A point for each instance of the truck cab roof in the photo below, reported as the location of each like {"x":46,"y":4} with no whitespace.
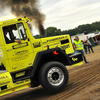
{"x":25,"y":19}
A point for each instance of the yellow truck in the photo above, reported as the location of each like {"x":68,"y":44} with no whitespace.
{"x":33,"y":62}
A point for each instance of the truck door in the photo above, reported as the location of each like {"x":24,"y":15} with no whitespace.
{"x":19,"y":55}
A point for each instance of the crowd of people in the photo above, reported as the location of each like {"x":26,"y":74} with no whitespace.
{"x":87,"y":46}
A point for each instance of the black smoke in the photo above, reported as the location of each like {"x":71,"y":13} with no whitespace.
{"x":29,"y":8}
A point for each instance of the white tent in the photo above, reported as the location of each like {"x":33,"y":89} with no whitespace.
{"x":81,"y":36}
{"x":90,"y":35}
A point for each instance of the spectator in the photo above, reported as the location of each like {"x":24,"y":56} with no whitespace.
{"x":85,"y":46}
{"x":79,"y":47}
{"x":89,"y":46}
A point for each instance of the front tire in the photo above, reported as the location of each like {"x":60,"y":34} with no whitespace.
{"x":53,"y":76}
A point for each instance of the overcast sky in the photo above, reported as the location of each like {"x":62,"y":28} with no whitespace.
{"x":66,"y":14}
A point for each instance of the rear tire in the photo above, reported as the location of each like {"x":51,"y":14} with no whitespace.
{"x":53,"y":76}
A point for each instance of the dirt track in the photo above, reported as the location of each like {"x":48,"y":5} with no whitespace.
{"x":84,"y":84}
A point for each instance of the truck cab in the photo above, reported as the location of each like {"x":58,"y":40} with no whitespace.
{"x":33,"y":61}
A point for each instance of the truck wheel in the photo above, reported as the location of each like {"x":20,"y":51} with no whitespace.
{"x":53,"y":76}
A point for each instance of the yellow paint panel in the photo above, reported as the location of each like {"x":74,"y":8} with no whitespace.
{"x":78,"y":64}
{"x":16,"y":86}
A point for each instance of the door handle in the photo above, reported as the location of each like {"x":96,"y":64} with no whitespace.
{"x":28,"y":39}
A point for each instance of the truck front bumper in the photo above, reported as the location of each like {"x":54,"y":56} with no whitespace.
{"x":76,"y":59}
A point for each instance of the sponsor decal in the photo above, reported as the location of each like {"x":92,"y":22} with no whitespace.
{"x":20,"y":45}
{"x":20,"y":74}
{"x":22,"y":52}
{"x":54,"y":39}
{"x":23,"y":81}
{"x":58,"y":38}
{"x":4,"y":77}
{"x":65,"y":47}
{"x":74,"y":59}
{"x":19,"y":82}
{"x":20,"y":58}
{"x":36,"y":44}
{"x":4,"y":83}
{"x":52,"y":45}
{"x":44,"y":42}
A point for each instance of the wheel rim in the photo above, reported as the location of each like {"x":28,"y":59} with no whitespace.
{"x":55,"y":76}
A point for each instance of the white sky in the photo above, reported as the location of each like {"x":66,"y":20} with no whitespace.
{"x":66,"y":14}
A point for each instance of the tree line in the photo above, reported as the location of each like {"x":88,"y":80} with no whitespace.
{"x":86,"y":28}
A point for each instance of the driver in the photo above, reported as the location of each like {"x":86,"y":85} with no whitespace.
{"x":6,"y":38}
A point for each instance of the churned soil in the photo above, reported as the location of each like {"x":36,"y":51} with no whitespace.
{"x":84,"y":84}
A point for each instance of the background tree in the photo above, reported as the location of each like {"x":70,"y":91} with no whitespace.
{"x":86,"y":28}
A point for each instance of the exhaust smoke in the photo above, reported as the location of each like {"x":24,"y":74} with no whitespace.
{"x":29,"y":8}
